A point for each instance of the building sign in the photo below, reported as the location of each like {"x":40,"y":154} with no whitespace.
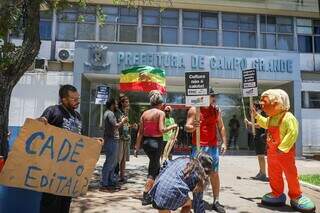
{"x":249,"y":83}
{"x":198,"y":62}
{"x":48,"y":159}
{"x":102,"y":94}
{"x":197,"y":88}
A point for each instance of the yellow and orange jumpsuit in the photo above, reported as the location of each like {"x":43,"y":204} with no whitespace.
{"x":282,"y":133}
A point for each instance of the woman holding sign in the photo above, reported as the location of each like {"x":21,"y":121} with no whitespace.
{"x":150,"y":136}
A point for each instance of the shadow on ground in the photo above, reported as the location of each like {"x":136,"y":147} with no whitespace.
{"x":125,"y":199}
{"x":285,"y":208}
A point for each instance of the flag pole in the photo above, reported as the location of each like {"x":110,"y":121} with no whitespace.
{"x":198,"y":128}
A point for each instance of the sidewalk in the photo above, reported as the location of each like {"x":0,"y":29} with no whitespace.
{"x":239,"y":193}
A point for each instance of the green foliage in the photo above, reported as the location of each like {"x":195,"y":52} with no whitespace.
{"x":101,"y":16}
{"x":312,"y":179}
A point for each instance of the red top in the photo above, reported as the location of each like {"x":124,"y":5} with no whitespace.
{"x":208,"y":127}
{"x":151,"y":128}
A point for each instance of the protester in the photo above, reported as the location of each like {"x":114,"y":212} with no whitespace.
{"x":177,"y":179}
{"x":111,"y":146}
{"x":282,"y":132}
{"x":150,"y":135}
{"x":63,"y":116}
{"x":260,"y":146}
{"x":167,"y":136}
{"x":234,"y":126}
{"x":125,"y":137}
{"x":210,"y":122}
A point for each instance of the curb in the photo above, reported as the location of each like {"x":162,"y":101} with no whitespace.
{"x":310,"y":186}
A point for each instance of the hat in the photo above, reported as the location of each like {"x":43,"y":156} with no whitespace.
{"x":212,"y":92}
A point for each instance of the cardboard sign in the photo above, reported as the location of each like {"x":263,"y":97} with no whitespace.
{"x":197,"y":88}
{"x":249,"y":83}
{"x":48,"y":159}
{"x":102,"y":94}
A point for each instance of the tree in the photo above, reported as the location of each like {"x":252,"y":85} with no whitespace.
{"x":15,"y":60}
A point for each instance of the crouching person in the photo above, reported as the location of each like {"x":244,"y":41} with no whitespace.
{"x":177,"y":179}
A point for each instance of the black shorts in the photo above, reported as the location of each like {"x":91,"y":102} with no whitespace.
{"x":260,"y":144}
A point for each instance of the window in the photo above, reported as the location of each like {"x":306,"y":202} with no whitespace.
{"x":108,"y":31}
{"x":160,"y":27}
{"x":67,"y":20}
{"x":209,"y":29}
{"x":86,"y":28}
{"x":239,"y":30}
{"x":45,"y":25}
{"x":200,"y":28}
{"x":316,"y":32}
{"x":120,"y":24}
{"x":276,"y":32}
{"x":308,"y":35}
{"x":151,"y":25}
{"x":305,"y":43}
{"x":314,"y":99}
{"x":128,"y":24}
{"x":169,"y":26}
{"x":310,"y":99}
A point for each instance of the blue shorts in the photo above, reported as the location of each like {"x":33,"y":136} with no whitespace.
{"x":212,"y":151}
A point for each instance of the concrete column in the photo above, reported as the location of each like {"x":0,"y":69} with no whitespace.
{"x":180,"y":27}
{"x":295,"y":35}
{"x":97,"y":36}
{"x":53,"y":34}
{"x":139,"y":36}
{"x":297,"y":112}
{"x":258,"y":45}
{"x":220,"y":34}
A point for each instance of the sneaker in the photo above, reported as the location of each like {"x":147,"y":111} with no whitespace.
{"x":303,"y":204}
{"x":270,"y":200}
{"x":146,"y":199}
{"x":261,"y":177}
{"x":257,"y":176}
{"x":216,"y":206}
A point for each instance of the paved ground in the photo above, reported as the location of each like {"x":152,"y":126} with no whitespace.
{"x":239,"y":193}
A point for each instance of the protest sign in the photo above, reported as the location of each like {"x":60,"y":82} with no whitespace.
{"x":48,"y":159}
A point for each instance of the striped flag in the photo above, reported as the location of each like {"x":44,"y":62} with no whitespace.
{"x":143,"y":79}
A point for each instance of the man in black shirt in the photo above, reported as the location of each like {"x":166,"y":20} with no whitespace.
{"x":234,"y":126}
{"x":63,"y":116}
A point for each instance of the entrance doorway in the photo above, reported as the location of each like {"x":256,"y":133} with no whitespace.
{"x":229,"y":101}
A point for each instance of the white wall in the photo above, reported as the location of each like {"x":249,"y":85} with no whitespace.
{"x":33,"y":93}
{"x":310,"y":123}
{"x":310,"y":132}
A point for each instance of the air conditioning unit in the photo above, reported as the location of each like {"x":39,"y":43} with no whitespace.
{"x":40,"y":65}
{"x":65,"y":55}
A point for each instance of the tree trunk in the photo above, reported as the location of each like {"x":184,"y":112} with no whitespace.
{"x":20,"y":62}
{"x":5,"y":93}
